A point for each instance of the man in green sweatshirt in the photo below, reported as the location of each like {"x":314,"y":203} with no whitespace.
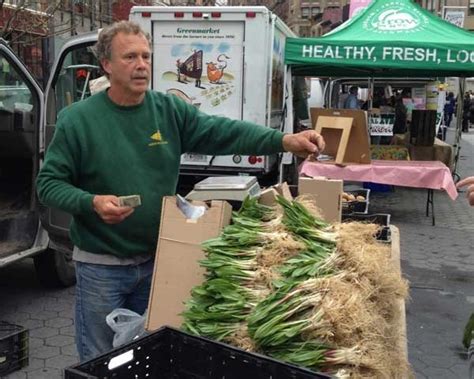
{"x":128,"y":140}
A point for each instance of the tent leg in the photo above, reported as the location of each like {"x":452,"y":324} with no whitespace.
{"x":430,"y":204}
{"x":458,"y":135}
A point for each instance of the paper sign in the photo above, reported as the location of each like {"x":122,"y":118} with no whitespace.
{"x":455,"y":17}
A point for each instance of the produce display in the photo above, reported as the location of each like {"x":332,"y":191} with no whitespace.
{"x":346,"y":197}
{"x":282,"y":282}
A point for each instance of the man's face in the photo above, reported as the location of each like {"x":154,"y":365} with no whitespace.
{"x":129,"y":64}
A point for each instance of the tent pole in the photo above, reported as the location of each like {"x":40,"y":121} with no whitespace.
{"x":287,"y":158}
{"x":371,"y":93}
{"x":369,"y":106}
{"x":458,"y":133}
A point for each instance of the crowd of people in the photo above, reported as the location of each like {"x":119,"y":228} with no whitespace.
{"x":400,"y":105}
{"x":397,"y":104}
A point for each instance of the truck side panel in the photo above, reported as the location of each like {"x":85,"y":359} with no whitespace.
{"x":230,"y":65}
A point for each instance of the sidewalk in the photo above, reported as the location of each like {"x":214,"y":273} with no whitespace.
{"x":437,"y":260}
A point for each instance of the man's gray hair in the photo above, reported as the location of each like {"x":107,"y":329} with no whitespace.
{"x":103,"y":46}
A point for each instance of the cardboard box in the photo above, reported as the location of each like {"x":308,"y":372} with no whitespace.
{"x":357,"y":144}
{"x":327,"y":194}
{"x":177,"y":268}
{"x":283,"y":190}
{"x":268,"y":195}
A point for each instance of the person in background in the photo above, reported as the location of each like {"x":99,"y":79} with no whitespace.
{"x":128,"y":140}
{"x":466,"y":108}
{"x":449,"y":108}
{"x":468,"y":335}
{"x":409,"y":104}
{"x":471,"y":112}
{"x":352,"y":102}
{"x":400,"y":124}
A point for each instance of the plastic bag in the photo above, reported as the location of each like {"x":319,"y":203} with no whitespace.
{"x":192,"y":212}
{"x":126,"y":324}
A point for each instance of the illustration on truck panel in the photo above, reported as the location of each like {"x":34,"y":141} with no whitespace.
{"x":215,"y":71}
{"x":201,"y":64}
{"x":191,"y":67}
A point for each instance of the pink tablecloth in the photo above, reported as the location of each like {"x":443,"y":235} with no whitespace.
{"x":419,"y":174}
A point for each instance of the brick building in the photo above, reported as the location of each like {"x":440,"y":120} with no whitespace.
{"x":317,"y":17}
{"x":36,"y":29}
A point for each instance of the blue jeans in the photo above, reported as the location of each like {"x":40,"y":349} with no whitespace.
{"x":99,"y":290}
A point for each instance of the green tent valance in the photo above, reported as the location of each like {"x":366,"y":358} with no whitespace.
{"x":390,"y":38}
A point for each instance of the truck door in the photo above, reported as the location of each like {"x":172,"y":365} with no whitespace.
{"x":21,"y":109}
{"x":71,"y":76}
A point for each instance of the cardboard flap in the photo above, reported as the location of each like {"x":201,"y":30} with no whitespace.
{"x":284,"y":190}
{"x":357,"y":150}
{"x":268,"y":196}
{"x":336,"y":132}
{"x":176,"y":226}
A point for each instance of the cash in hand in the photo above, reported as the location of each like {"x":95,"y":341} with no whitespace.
{"x":130,"y":201}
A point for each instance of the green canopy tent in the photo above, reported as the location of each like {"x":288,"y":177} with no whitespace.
{"x":389,"y":38}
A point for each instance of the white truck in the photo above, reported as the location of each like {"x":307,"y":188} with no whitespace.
{"x":224,"y":60}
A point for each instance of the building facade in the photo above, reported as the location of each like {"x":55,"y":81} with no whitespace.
{"x":36,"y":29}
{"x":316,"y":17}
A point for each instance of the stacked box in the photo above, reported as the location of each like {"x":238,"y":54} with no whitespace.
{"x":13,"y":347}
{"x":423,"y":127}
{"x":357,"y":206}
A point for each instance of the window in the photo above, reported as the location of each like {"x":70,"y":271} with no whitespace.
{"x":315,"y":11}
{"x":14,"y":93}
{"x":65,"y":5}
{"x":305,"y":31}
{"x":305,"y":12}
{"x":79,"y":67}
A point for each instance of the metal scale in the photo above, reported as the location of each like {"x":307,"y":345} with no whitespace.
{"x":231,"y":188}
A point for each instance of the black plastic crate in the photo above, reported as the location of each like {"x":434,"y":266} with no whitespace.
{"x":171,"y":354}
{"x":357,"y":206}
{"x":383,"y":219}
{"x":13,"y":347}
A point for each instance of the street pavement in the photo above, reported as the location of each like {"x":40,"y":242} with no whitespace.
{"x":437,"y":260}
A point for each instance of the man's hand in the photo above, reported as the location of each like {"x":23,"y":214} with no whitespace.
{"x":108,"y":209}
{"x":469,"y":181}
{"x":304,"y":143}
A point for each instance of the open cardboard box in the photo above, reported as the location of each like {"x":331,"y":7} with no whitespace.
{"x":327,"y":195}
{"x":268,"y":195}
{"x":177,"y":268}
{"x":347,"y":143}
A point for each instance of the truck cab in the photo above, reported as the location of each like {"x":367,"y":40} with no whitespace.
{"x":27,"y":120}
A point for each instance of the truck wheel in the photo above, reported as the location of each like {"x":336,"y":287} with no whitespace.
{"x":55,"y":269}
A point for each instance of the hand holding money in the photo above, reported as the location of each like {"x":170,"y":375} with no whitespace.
{"x":130,"y":201}
{"x":109,"y":209}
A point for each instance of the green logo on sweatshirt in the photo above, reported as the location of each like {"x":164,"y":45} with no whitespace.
{"x":157,"y":139}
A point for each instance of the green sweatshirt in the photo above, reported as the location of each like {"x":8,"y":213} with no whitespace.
{"x":100,"y":148}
